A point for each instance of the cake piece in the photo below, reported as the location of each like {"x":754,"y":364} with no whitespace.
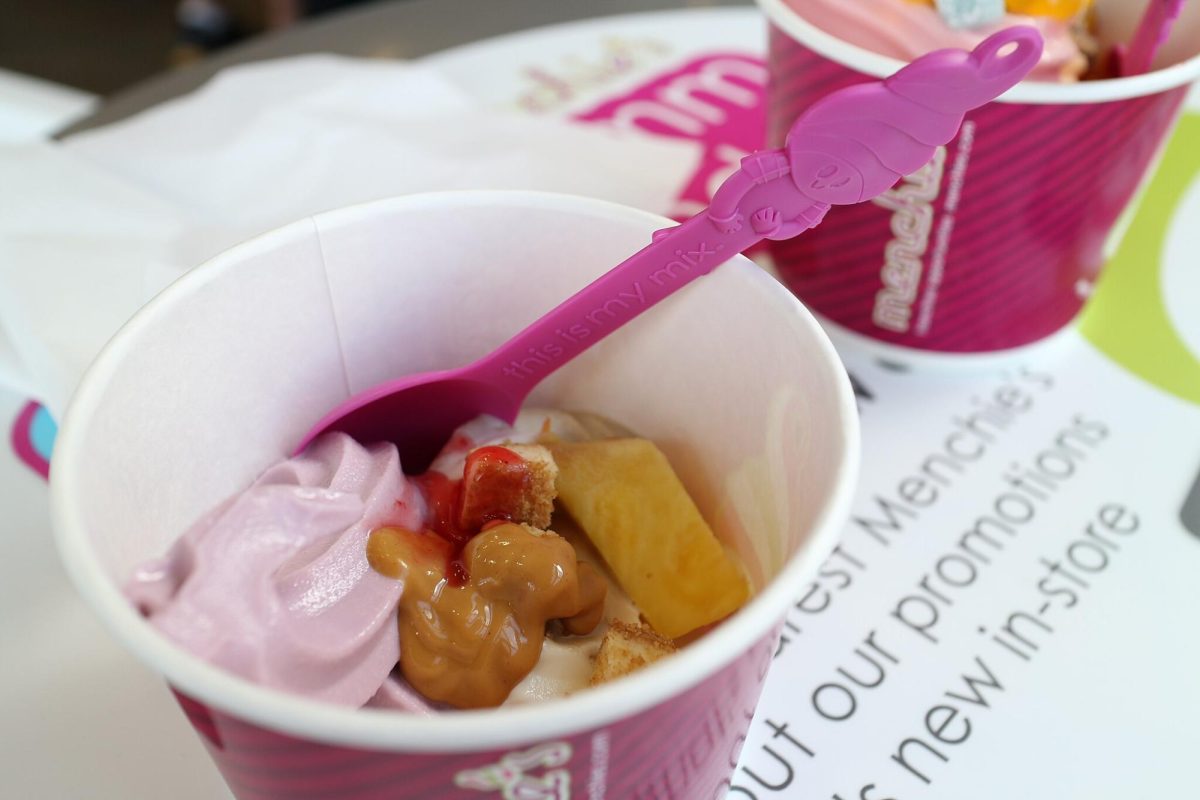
{"x":627,"y":648}
{"x":513,"y":483}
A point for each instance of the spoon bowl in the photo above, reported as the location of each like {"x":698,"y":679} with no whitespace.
{"x":419,"y":412}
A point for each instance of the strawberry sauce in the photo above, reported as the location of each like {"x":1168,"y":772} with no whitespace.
{"x":444,"y":497}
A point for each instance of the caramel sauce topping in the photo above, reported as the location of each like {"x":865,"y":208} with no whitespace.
{"x":469,"y":645}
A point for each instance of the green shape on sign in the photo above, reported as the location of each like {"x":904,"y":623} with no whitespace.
{"x":1127,"y":318}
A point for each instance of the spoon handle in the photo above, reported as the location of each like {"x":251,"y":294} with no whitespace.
{"x":677,"y":257}
{"x":849,"y":147}
{"x":1152,"y":32}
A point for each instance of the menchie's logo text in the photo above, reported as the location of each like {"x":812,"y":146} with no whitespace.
{"x":911,"y":204}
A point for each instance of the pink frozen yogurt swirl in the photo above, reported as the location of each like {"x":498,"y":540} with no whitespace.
{"x":906,"y":30}
{"x":274,"y":584}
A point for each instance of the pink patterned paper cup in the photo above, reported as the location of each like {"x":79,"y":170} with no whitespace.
{"x":223,"y":372}
{"x":994,"y":246}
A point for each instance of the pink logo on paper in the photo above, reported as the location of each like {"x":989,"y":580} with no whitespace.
{"x":32,"y":438}
{"x":717,"y":100}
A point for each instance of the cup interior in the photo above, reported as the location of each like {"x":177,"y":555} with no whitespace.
{"x":220,"y":376}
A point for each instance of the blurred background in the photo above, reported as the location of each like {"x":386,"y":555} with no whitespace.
{"x":103,"y":46}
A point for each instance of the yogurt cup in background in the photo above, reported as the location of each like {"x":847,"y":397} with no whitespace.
{"x":222,"y":373}
{"x":996,"y":245}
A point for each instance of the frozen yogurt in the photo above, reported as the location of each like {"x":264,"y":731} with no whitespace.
{"x":273,"y":585}
{"x":337,"y":577}
{"x":906,"y":29}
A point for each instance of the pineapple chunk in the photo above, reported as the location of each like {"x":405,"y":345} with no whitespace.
{"x":632,"y":506}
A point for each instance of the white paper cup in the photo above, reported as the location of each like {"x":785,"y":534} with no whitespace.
{"x":221,"y":374}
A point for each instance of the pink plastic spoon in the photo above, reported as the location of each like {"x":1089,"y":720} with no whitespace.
{"x":1152,"y":32}
{"x":847,"y":148}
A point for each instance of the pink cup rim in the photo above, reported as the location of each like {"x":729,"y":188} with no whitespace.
{"x":1030,"y":92}
{"x":458,"y":731}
